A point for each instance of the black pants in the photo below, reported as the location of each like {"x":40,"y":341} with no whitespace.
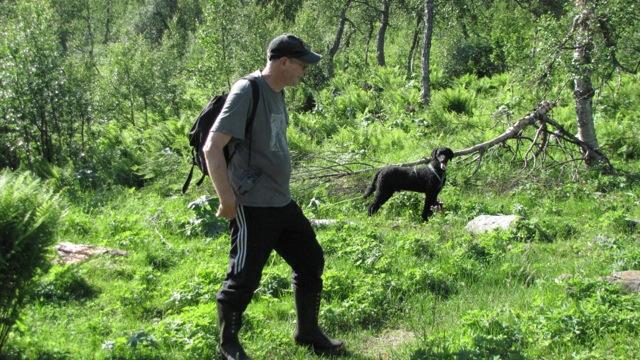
{"x":255,"y":232}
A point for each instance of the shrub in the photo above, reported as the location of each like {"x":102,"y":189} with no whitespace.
{"x":493,"y":336}
{"x":530,"y":230}
{"x":487,"y":247}
{"x":28,"y":217}
{"x":458,"y":101}
{"x":474,"y":56}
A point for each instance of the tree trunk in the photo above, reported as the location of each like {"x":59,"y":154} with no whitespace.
{"x":366,"y":51}
{"x":414,"y":44}
{"x":383,"y":31}
{"x":583,"y":90}
{"x":89,"y":33}
{"x":336,"y":42}
{"x":426,"y":51}
{"x":107,"y":26}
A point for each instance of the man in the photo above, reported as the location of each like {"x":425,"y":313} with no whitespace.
{"x":255,"y":196}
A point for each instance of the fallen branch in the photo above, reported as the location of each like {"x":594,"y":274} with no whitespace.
{"x":586,"y":147}
{"x":512,"y":132}
{"x":546,"y":128}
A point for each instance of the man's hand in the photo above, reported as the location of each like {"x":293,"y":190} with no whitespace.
{"x":227,"y":208}
{"x":217,"y":167}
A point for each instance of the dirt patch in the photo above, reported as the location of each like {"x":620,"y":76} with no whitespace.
{"x":380,"y":347}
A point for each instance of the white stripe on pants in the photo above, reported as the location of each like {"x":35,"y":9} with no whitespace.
{"x":241,"y":240}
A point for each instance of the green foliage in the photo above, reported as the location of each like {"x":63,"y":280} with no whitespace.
{"x":194,"y":331}
{"x":42,"y":101}
{"x":273,"y":284}
{"x":492,"y":337}
{"x":627,"y":259}
{"x":528,"y":230}
{"x":29,"y":214}
{"x":122,"y":81}
{"x":598,"y":309}
{"x":458,"y":101}
{"x":619,"y":138}
{"x":204,"y":222}
{"x":153,"y":19}
{"x":136,"y":82}
{"x":474,"y":56}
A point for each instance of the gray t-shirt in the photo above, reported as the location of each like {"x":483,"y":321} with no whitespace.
{"x":269,"y":147}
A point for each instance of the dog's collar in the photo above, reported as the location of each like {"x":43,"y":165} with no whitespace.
{"x":435,"y":172}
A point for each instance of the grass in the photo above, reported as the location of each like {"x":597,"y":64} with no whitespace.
{"x":395,"y":288}
{"x":384,"y":275}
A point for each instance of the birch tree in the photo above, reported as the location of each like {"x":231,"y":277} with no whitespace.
{"x":426,"y":51}
{"x":382,"y":31}
{"x":582,"y":71}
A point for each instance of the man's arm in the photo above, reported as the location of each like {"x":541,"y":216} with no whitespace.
{"x":217,"y":168}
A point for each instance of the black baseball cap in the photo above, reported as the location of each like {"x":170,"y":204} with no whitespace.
{"x":291,"y":46}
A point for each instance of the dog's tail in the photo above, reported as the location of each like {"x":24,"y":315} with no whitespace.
{"x":372,"y":187}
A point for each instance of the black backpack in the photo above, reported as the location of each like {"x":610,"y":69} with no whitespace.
{"x":201,"y":127}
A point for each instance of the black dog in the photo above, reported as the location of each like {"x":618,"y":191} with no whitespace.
{"x":428,"y":180}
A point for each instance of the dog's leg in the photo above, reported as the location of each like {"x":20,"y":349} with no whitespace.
{"x":429,"y":201}
{"x":380,"y":199}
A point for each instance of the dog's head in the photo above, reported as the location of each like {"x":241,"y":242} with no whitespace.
{"x":441,"y":156}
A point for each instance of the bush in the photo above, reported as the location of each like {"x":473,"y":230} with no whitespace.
{"x":493,"y":336}
{"x":28,"y":217}
{"x":474,"y":56}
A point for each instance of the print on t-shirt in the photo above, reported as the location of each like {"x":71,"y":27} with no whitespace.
{"x":278,"y":133}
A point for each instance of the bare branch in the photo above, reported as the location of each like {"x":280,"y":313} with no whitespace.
{"x":513,"y":131}
{"x":586,"y":147}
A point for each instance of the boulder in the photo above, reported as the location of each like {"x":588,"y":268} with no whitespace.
{"x":630,"y":280}
{"x":484,"y":223}
{"x":74,"y":253}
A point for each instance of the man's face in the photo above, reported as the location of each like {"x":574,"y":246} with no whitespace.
{"x":295,"y":70}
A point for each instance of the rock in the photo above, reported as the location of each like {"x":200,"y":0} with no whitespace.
{"x":328,"y":222}
{"x":630,"y":280}
{"x":484,"y":223}
{"x":563,"y":278}
{"x":74,"y":253}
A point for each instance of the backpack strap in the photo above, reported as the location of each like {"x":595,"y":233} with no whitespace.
{"x":248,"y":128}
{"x":185,"y":186}
{"x":255,"y":93}
{"x":193,"y":164}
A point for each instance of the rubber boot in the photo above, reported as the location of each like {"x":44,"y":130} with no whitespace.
{"x":308,"y":332}
{"x":229,"y":322}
